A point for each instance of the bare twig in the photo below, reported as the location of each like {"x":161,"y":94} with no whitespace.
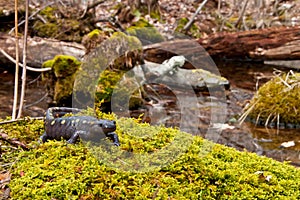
{"x":14,"y":111}
{"x":189,"y":24}
{"x":14,"y":142}
{"x":240,"y":19}
{"x":24,"y":60}
{"x":20,"y":64}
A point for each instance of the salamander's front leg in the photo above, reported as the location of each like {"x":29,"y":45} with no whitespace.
{"x":114,"y":137}
{"x":74,"y":137}
{"x":44,"y":138}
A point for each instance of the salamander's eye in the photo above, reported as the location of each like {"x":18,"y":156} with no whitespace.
{"x":114,"y":122}
{"x":100,"y":124}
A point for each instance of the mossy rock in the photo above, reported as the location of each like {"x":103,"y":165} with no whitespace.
{"x":108,"y":84}
{"x":146,"y":33}
{"x":61,"y":78}
{"x":277,"y":100}
{"x":93,"y":39}
{"x":203,"y":170}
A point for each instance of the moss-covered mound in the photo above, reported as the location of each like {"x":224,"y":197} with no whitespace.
{"x":277,"y":101}
{"x":203,"y":170}
{"x":66,"y":28}
{"x":60,"y":79}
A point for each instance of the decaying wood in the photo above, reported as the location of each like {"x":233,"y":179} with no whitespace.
{"x":39,"y":49}
{"x":277,"y":43}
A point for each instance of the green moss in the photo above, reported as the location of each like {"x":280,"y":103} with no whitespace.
{"x":277,"y":99}
{"x":94,"y":39}
{"x":49,"y":12}
{"x":65,"y":65}
{"x":46,"y":30}
{"x":106,"y":85}
{"x":203,"y":170}
{"x":94,"y":33}
{"x":32,"y":128}
{"x":61,"y":78}
{"x":66,"y":29}
{"x":145,"y":32}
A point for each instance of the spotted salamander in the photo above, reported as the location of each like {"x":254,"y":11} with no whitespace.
{"x":71,"y":128}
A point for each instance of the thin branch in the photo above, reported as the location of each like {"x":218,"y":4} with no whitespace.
{"x":13,"y":142}
{"x":24,"y":60}
{"x":20,"y":64}
{"x":21,"y":119}
{"x":32,"y":15}
{"x":189,"y":24}
{"x":14,"y":111}
{"x":239,"y":21}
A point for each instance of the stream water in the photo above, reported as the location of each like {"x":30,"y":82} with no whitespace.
{"x":244,"y":78}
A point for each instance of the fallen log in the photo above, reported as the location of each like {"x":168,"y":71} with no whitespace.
{"x":39,"y":49}
{"x":276,"y":43}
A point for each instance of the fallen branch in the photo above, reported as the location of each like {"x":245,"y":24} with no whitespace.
{"x":13,"y":141}
{"x":21,"y":119}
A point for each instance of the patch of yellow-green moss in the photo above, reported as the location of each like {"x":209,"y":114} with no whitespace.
{"x":277,"y":100}
{"x":108,"y":84}
{"x":145,"y":32}
{"x":94,"y":39}
{"x":66,"y":29}
{"x":203,"y":170}
{"x":61,"y":78}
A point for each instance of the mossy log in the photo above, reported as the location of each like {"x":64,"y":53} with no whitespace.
{"x":276,"y":43}
{"x":39,"y":49}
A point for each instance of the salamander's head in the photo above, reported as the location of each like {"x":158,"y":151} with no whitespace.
{"x":107,"y":125}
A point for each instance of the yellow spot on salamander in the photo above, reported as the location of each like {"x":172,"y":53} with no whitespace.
{"x":84,"y":121}
{"x":63,"y":121}
{"x":77,"y":120}
{"x":91,"y":123}
{"x":53,"y":122}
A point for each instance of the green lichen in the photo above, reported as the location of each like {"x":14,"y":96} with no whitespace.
{"x":203,"y":170}
{"x":277,"y":100}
